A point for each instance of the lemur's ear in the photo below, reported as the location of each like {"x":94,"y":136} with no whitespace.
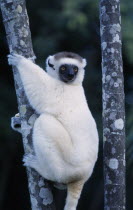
{"x":50,"y":62}
{"x":84,"y":63}
{"x":51,"y":65}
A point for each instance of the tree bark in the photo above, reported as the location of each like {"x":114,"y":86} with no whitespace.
{"x":113,"y":105}
{"x":18,"y":34}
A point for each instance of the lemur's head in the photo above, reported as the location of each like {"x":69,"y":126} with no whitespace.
{"x":66,"y":66}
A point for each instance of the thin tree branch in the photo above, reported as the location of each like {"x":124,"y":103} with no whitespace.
{"x":19,"y":40}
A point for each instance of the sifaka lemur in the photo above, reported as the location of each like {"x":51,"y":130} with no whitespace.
{"x":65,"y":137}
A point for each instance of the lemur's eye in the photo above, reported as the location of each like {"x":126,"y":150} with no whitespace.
{"x":63,"y":68}
{"x":75,"y":68}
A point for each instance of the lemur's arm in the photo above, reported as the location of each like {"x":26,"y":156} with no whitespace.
{"x":35,"y":80}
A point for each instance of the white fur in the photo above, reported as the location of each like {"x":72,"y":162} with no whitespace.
{"x":65,"y":136}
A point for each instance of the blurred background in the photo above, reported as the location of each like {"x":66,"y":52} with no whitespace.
{"x":57,"y":26}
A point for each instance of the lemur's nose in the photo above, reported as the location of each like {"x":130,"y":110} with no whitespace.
{"x":70,"y":73}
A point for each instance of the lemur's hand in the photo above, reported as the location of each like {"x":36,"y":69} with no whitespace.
{"x":14,"y":59}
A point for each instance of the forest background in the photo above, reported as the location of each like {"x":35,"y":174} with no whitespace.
{"x":57,"y":26}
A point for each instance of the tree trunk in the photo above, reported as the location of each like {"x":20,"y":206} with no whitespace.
{"x":18,"y":34}
{"x":113,"y":105}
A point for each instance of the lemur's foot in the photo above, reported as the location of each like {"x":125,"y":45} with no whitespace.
{"x":14,"y":59}
{"x":29,"y":160}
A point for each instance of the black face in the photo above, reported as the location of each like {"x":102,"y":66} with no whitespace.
{"x":68,"y":72}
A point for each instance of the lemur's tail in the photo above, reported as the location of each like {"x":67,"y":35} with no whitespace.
{"x":73,"y":194}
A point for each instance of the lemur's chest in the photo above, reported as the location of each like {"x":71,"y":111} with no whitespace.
{"x":66,"y":100}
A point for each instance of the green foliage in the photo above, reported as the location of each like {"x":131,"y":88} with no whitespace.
{"x":127,"y":28}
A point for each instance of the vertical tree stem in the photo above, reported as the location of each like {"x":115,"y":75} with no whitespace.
{"x":113,"y":105}
{"x":18,"y":34}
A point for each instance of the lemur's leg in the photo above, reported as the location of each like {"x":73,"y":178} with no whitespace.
{"x":53,"y":147}
{"x":73,"y":194}
{"x":35,"y":80}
